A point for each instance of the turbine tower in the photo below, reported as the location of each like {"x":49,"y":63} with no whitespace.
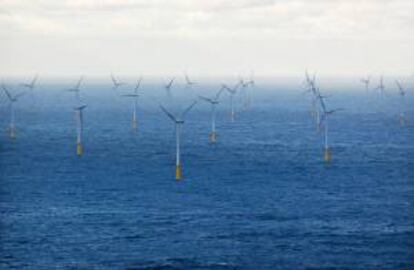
{"x":381,"y":87}
{"x":402,"y":94}
{"x":178,"y":121}
{"x":135,"y":96}
{"x":214,"y":102}
{"x":12,"y":99}
{"x":79,"y":128}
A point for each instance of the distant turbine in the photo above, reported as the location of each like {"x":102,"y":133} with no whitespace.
{"x":214,"y":102}
{"x":168,"y":87}
{"x":76,"y":88}
{"x":245,"y":93}
{"x":188,"y":81}
{"x":12,"y":100}
{"x":117,"y":83}
{"x":311,"y":88}
{"x":381,"y":87}
{"x":31,"y":85}
{"x":366,"y":82}
{"x":324,"y":122}
{"x":79,"y":128}
{"x":315,"y":95}
{"x":179,"y":121}
{"x":232,"y":92}
{"x":135,"y":97}
{"x":402,"y":94}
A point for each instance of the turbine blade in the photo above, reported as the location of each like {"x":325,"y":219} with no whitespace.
{"x":171,"y":116}
{"x":7,"y":92}
{"x":206,"y":99}
{"x":188,"y":109}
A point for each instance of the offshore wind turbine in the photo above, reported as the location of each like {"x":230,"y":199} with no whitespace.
{"x":31,"y":85}
{"x":324,"y":123}
{"x":214,"y":102}
{"x":402,"y":94}
{"x":76,"y":88}
{"x":381,"y":87}
{"x":117,"y":83}
{"x":366,"y":82}
{"x":12,"y":99}
{"x":79,"y":128}
{"x":188,"y":82}
{"x":135,"y":96}
{"x":179,"y":122}
{"x":315,"y":95}
{"x":232,"y":92}
{"x":168,"y":87}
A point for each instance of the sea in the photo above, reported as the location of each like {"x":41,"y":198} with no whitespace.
{"x":262,"y":197}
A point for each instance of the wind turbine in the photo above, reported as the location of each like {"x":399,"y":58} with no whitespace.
{"x":76,"y":88}
{"x":79,"y":128}
{"x":315,"y":95}
{"x":214,"y":102}
{"x":311,"y":88}
{"x":381,"y":87}
{"x":31,"y":85}
{"x":135,"y":97}
{"x":168,"y":87}
{"x":324,"y":123}
{"x":12,"y":100}
{"x":188,"y":82}
{"x":232,"y":92}
{"x":179,"y":121}
{"x":402,"y":94}
{"x":366,"y":82}
{"x":117,"y":83}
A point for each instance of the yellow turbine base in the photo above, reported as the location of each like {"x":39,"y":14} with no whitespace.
{"x":79,"y":149}
{"x":178,"y":172}
{"x":328,"y":155}
{"x":213,"y":137}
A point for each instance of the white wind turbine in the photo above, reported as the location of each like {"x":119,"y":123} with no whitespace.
{"x":135,"y":97}
{"x":324,"y":123}
{"x":31,"y":85}
{"x":178,"y":121}
{"x":366,"y":82}
{"x":188,"y":82}
{"x":214,"y":102}
{"x":76,"y":88}
{"x":402,"y":94}
{"x":168,"y":87}
{"x":79,"y":128}
{"x":117,"y":83}
{"x":12,"y":99}
{"x":232,"y":92}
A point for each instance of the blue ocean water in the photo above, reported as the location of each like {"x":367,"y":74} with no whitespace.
{"x":261,"y":198}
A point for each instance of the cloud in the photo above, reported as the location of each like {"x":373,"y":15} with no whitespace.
{"x":254,"y":18}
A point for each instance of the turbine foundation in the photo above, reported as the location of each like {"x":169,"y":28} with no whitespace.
{"x":213,"y":137}
{"x":178,"y":172}
{"x":328,"y":155}
{"x":79,"y":149}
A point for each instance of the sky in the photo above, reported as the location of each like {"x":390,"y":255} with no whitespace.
{"x":206,"y":38}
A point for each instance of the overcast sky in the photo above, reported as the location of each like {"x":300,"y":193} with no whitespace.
{"x":206,"y":37}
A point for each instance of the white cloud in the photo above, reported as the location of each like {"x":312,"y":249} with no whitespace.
{"x":246,"y":27}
